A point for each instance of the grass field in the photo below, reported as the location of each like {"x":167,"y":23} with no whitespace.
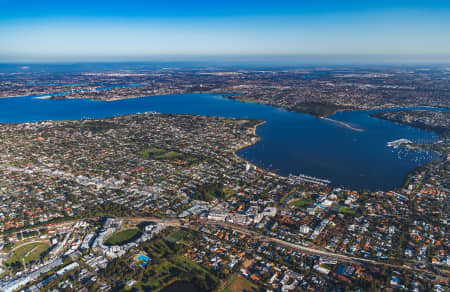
{"x":167,"y":266}
{"x":240,"y":284}
{"x":152,"y":151}
{"x":28,"y":252}
{"x":211,"y":191}
{"x":161,"y":154}
{"x":123,"y":236}
{"x":301,"y":203}
{"x":346,"y":210}
{"x":175,"y":268}
{"x":336,"y":208}
{"x":169,"y":156}
{"x":177,"y":235}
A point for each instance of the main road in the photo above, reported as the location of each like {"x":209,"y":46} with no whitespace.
{"x":307,"y":250}
{"x":256,"y":235}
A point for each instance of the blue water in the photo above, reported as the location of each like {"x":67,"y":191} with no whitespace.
{"x":290,"y":142}
{"x":142,"y":257}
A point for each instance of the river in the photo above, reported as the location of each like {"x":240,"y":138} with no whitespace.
{"x":291,"y":143}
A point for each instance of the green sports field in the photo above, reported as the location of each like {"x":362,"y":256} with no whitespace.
{"x":123,"y":236}
{"x":28,"y":252}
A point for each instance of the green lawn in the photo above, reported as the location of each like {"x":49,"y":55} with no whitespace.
{"x":336,"y":208}
{"x":28,"y":252}
{"x":167,"y":266}
{"x":346,"y":210}
{"x":152,"y":151}
{"x":211,"y":191}
{"x":168,"y":156}
{"x":123,"y":236}
{"x":162,"y":154}
{"x":301,"y":202}
{"x":176,"y":267}
{"x":177,"y":235}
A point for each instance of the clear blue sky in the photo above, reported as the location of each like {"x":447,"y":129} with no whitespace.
{"x":137,"y":29}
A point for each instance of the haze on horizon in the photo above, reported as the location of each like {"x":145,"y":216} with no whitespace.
{"x":380,"y":31}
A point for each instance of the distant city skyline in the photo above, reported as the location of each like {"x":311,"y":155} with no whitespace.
{"x":351,"y":31}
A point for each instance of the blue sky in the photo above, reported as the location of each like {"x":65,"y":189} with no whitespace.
{"x":137,"y":30}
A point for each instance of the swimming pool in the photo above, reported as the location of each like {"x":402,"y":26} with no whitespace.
{"x":142,"y":257}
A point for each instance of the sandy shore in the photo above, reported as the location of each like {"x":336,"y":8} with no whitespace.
{"x":344,"y":125}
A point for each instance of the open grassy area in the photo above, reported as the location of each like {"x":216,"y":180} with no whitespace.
{"x":28,"y":253}
{"x":336,"y":208}
{"x":169,"y":156}
{"x":177,"y":235}
{"x":177,"y":268}
{"x":301,"y":202}
{"x":167,"y":266}
{"x":240,"y":284}
{"x":152,"y":151}
{"x":123,"y":236}
{"x":209,"y":192}
{"x":162,"y":154}
{"x":347,"y":210}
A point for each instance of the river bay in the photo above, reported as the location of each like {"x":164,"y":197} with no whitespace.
{"x":291,"y":143}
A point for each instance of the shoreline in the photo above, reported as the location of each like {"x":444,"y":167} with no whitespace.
{"x":48,"y":96}
{"x":362,"y":108}
{"x":236,"y":148}
{"x":253,"y":128}
{"x":257,"y":138}
{"x":239,"y":147}
{"x":435,"y":129}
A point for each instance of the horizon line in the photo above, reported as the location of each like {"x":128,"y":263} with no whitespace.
{"x":240,"y":58}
